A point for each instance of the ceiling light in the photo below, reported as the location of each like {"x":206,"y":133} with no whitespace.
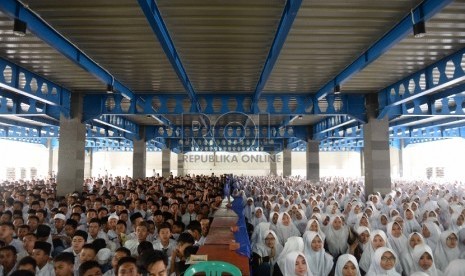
{"x":19,"y":27}
{"x":337,"y":89}
{"x":109,"y":89}
{"x":419,"y":28}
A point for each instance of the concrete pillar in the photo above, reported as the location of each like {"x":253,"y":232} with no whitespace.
{"x":165,"y":162}
{"x":50,"y":157}
{"x":70,"y":176}
{"x":401,"y":158}
{"x":313,"y":160}
{"x":139,"y":155}
{"x":273,"y":165}
{"x":362,"y":162}
{"x":376,"y":150}
{"x":287,"y":161}
{"x":88,"y":160}
{"x":181,"y":164}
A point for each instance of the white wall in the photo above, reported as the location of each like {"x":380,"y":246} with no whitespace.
{"x":23,"y":155}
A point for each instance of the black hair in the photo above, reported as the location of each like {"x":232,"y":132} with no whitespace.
{"x":66,"y":257}
{"x":85,"y":266}
{"x":126,"y":260}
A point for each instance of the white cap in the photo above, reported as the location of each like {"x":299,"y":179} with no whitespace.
{"x":60,"y":216}
{"x":113,"y":216}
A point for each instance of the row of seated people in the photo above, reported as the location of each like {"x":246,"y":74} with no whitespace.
{"x":110,"y":219}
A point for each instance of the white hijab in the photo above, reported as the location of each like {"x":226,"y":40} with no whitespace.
{"x":285,"y":232}
{"x":310,"y":222}
{"x":398,"y":244}
{"x":341,"y":262}
{"x":289,"y":264}
{"x":366,"y":259}
{"x":455,"y":268}
{"x":435,"y":231}
{"x":254,"y":220}
{"x":443,"y":254}
{"x":336,"y":239}
{"x":407,"y":255}
{"x":419,"y":250}
{"x":375,"y":267}
{"x":320,"y":262}
{"x":263,"y":250}
{"x":292,"y":244}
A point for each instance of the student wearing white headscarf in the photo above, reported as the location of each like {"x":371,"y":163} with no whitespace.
{"x":258,"y":232}
{"x":431,"y":232}
{"x":377,"y":240}
{"x":314,"y":225}
{"x":300,"y":220}
{"x":410,"y":223}
{"x":319,"y":261}
{"x":455,"y":268}
{"x":285,"y":228}
{"x":461,"y":236}
{"x":292,"y":244}
{"x":295,"y":264}
{"x":384,"y":263}
{"x":414,"y":239}
{"x":396,"y":237}
{"x":257,"y":217}
{"x":447,"y":249}
{"x":265,"y":253}
{"x":347,"y":266}
{"x":336,"y":236}
{"x":249,"y":209}
{"x":457,"y":222}
{"x":423,"y":261}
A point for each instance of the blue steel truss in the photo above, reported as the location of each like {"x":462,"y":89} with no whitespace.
{"x":21,"y":85}
{"x":174,"y":104}
{"x":285,"y":24}
{"x":423,"y":12}
{"x":417,"y":93}
{"x":150,"y":9}
{"x":45,"y":32}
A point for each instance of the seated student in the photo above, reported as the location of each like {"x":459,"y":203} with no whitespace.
{"x":63,"y":264}
{"x":195,"y":229}
{"x":21,"y":231}
{"x":143,"y":247}
{"x":7,"y":259}
{"x":157,"y":263}
{"x":119,"y":254}
{"x":27,"y":263}
{"x":127,"y":267}
{"x":41,"y":254}
{"x":177,"y":257}
{"x":164,"y":243}
{"x":142,"y":232}
{"x":177,"y":228}
{"x":6,"y":236}
{"x":79,"y":239}
{"x":347,"y":265}
{"x":295,"y":264}
{"x":89,"y":268}
{"x":88,"y":253}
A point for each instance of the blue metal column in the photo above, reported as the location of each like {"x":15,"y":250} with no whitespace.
{"x":71,"y":149}
{"x":376,"y":150}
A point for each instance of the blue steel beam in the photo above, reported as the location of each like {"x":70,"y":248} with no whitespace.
{"x":23,"y":106}
{"x":285,"y":24}
{"x":423,"y":12}
{"x":45,"y":32}
{"x":279,"y":104}
{"x":150,"y":9}
{"x":434,"y":78}
{"x":119,"y":124}
{"x":18,"y":81}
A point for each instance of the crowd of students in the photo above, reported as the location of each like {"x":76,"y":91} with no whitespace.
{"x":115,"y":226}
{"x":123,"y":226}
{"x":333,"y":228}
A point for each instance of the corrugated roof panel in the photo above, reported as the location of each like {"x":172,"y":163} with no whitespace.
{"x":445,"y":35}
{"x":223,"y":44}
{"x":327,"y":36}
{"x":116,"y":35}
{"x":35,"y":55}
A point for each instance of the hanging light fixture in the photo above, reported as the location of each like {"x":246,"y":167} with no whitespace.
{"x":419,"y":28}
{"x":109,"y":89}
{"x":337,"y":89}
{"x":19,"y":27}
